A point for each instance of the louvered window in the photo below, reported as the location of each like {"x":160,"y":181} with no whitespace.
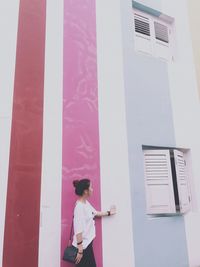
{"x":142,"y":25}
{"x":152,"y":36}
{"x":166,"y":182}
{"x":182,"y":181}
{"x":158,"y":181}
{"x":161,"y":32}
{"x":142,"y":34}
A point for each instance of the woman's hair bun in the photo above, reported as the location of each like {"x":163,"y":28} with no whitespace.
{"x":81,"y":186}
{"x":75,"y":183}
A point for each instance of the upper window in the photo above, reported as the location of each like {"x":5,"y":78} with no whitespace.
{"x":153,"y":36}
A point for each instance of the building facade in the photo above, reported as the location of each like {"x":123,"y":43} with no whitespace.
{"x":193,"y":7}
{"x":106,"y":90}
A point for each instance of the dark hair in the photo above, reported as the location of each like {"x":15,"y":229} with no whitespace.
{"x":81,"y":185}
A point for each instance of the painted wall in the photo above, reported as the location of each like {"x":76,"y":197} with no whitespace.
{"x":110,"y":86}
{"x":127,"y":120}
{"x":186,"y":114}
{"x":21,"y":232}
{"x":194,"y":20}
{"x":8,"y":31}
{"x":80,"y":145}
{"x":159,"y":241}
{"x":117,"y":232}
{"x":51,"y":180}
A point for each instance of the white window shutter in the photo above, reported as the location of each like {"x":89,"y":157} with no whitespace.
{"x":182,"y":181}
{"x":161,"y":40}
{"x":142,"y":31}
{"x":158,"y":182}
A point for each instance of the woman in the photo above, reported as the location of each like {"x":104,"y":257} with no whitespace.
{"x":84,"y":225}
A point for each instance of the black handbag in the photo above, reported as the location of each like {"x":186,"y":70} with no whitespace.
{"x":70,"y":254}
{"x":70,"y":251}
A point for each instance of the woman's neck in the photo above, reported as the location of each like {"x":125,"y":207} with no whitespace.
{"x":82,"y":199}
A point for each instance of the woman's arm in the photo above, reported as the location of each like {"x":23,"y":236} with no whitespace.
{"x":112,"y":211}
{"x":102,"y":213}
{"x":78,"y":230}
{"x":79,"y":238}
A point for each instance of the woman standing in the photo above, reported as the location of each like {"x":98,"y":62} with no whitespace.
{"x":84,"y":225}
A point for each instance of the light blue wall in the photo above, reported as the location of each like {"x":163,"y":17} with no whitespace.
{"x":158,"y":242}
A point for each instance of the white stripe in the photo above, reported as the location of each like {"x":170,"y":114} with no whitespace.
{"x":50,"y":221}
{"x":9,"y":11}
{"x":186,"y":112}
{"x":118,"y":249}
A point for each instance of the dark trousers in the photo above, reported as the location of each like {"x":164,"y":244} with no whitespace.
{"x":88,"y":259}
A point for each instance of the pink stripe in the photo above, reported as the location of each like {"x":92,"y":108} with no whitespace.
{"x":21,"y":235}
{"x":80,"y":112}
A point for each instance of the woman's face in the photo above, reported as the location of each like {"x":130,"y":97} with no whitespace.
{"x":89,"y":191}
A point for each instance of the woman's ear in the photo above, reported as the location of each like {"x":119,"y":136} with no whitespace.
{"x":85,"y":192}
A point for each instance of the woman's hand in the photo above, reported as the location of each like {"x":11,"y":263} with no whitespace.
{"x":78,"y":257}
{"x":113,"y":210}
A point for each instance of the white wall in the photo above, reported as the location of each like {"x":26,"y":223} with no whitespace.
{"x":8,"y":31}
{"x":118,"y":247}
{"x":186,"y":112}
{"x":50,"y":222}
{"x":194,"y":7}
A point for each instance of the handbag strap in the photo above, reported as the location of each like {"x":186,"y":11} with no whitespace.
{"x":71,"y":232}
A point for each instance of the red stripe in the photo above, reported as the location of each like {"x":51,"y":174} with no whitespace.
{"x":23,"y":196}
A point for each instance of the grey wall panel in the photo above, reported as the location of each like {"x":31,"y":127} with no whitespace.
{"x":158,"y":242}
